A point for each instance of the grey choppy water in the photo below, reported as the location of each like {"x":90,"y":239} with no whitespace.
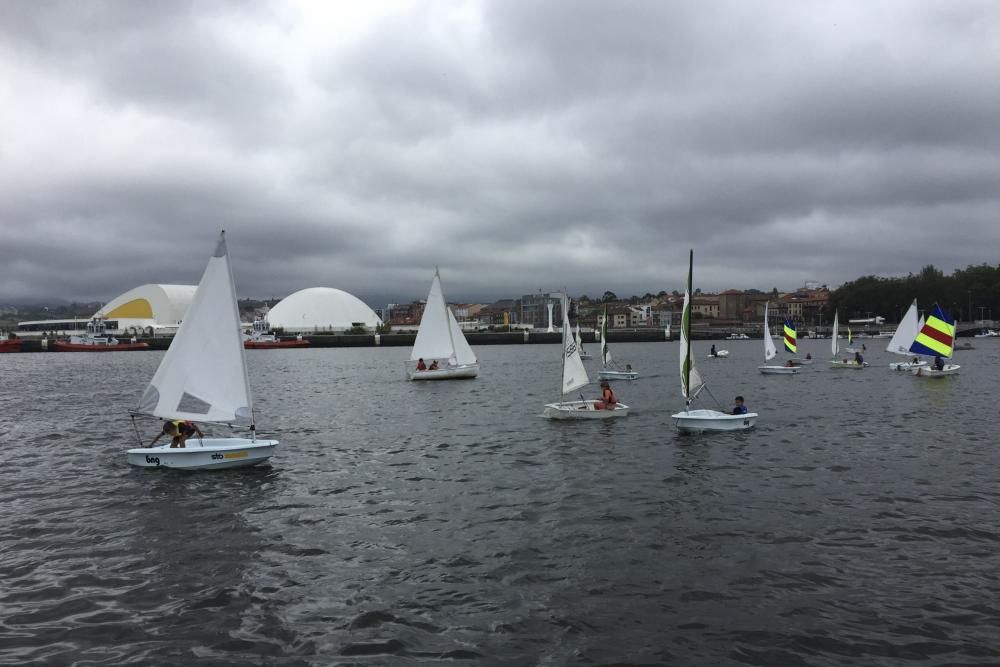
{"x":406,"y":523}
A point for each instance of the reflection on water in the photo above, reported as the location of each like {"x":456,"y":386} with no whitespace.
{"x":448,"y":521}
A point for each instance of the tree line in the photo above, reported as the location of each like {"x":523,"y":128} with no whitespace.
{"x":967,"y":294}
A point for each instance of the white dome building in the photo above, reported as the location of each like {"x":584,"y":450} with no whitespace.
{"x":321,"y":309}
{"x":148,"y":308}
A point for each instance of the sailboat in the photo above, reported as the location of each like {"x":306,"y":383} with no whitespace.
{"x":692,"y":384}
{"x":579,"y":343}
{"x":936,"y":338}
{"x":835,"y":349}
{"x":904,"y":336}
{"x":574,"y":376}
{"x":790,"y":337}
{"x":610,"y":370}
{"x":203,"y":378}
{"x":440,"y":341}
{"x":770,"y":352}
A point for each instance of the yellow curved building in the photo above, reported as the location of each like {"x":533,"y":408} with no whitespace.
{"x":148,"y":308}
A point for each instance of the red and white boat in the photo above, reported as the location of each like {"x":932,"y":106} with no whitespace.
{"x":260,"y":338}
{"x":10,"y":345}
{"x":96,"y":340}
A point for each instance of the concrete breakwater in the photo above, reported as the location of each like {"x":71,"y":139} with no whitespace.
{"x":407,"y":339}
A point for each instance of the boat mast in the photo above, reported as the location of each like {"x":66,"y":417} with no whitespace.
{"x":562,"y":369}
{"x":447,"y":320}
{"x":686,"y":327}
{"x":221,"y":251}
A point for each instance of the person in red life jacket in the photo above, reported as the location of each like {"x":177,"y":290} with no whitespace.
{"x":179,"y":431}
{"x":421,"y":366}
{"x":608,"y":398}
{"x":434,"y":365}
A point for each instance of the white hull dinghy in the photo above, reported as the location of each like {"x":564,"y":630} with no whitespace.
{"x":928,"y":372}
{"x":698,"y":421}
{"x":203,"y":378}
{"x":440,"y":339}
{"x":770,"y":352}
{"x":907,"y":365}
{"x":845,"y":364}
{"x":574,"y":377}
{"x":583,"y":410}
{"x":848,"y":364}
{"x":611,"y":375}
{"x":610,"y":370}
{"x":779,"y":370}
{"x":936,"y":338}
{"x":205,"y":454}
{"x":719,"y":354}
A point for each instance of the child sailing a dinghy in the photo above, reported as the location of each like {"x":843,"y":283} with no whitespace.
{"x":179,"y":431}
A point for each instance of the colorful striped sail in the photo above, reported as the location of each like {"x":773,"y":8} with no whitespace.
{"x":790,"y":337}
{"x":937,"y":336}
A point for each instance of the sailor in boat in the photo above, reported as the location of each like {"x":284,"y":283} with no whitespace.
{"x":179,"y":431}
{"x":608,"y":398}
{"x":858,"y":359}
{"x":434,"y":365}
{"x":421,"y":366}
{"x":790,"y":363}
{"x":712,"y":352}
{"x":938,"y":362}
{"x":628,"y":368}
{"x":809,"y":356}
{"x":739,"y":408}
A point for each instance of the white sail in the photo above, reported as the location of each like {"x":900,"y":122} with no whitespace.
{"x":434,"y":337}
{"x":834,"y":344}
{"x":579,"y":338}
{"x":769,"y":350}
{"x":203,"y":375}
{"x":690,"y":378}
{"x":574,"y":374}
{"x":907,"y":330}
{"x":463,"y":352}
{"x":605,"y":350}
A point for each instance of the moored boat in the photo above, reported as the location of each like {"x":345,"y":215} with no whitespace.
{"x":10,"y":345}
{"x":96,"y":339}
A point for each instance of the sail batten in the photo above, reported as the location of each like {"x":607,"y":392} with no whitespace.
{"x":203,"y":375}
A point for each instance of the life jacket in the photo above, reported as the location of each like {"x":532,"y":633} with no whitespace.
{"x":609,"y":396}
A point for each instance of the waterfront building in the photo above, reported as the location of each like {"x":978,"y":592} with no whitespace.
{"x":322,"y":309}
{"x":145,"y":310}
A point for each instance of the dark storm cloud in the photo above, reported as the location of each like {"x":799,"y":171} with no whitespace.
{"x":517,"y":145}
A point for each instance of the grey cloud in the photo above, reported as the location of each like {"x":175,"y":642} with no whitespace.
{"x":541,"y":145}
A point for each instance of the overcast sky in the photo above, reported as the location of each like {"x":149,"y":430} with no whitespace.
{"x":517,"y":144}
